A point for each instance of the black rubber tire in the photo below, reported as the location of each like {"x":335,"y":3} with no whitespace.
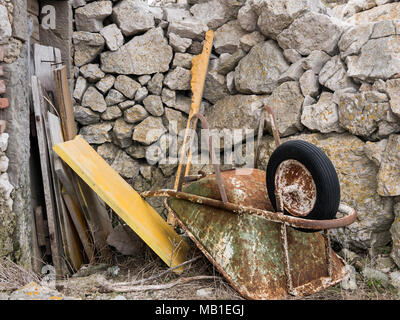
{"x":321,"y":169}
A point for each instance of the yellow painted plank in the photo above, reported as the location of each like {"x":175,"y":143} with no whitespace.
{"x":124,"y":200}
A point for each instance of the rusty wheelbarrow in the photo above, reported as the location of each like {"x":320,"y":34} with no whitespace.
{"x":267,"y":235}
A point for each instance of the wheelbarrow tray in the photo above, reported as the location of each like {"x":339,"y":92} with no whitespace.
{"x":248,"y":249}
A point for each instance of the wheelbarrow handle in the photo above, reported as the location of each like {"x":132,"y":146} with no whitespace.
{"x":217,"y":170}
{"x":349,"y":217}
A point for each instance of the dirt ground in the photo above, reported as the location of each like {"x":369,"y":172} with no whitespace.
{"x":149,"y":279}
{"x":89,"y":286}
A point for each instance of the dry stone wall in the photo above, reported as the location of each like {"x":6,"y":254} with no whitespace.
{"x":330,"y":72}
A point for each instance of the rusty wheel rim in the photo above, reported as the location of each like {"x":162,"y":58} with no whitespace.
{"x":296,"y":186}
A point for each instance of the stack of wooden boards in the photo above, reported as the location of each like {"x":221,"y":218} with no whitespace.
{"x":72,"y":227}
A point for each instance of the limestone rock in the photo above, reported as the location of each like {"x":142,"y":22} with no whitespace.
{"x":80,"y":88}
{"x":154,"y":105}
{"x":5,"y":186}
{"x":97,"y":133}
{"x":227,"y":65}
{"x":108,"y":151}
{"x":5,"y":25}
{"x":175,"y":13}
{"x":354,"y":39}
{"x":136,"y":151}
{"x":230,"y":82}
{"x":4,"y":141}
{"x":168,"y":97}
{"x":249,"y":40}
{"x":383,"y":12}
{"x":176,"y":121}
{"x":141,"y":94}
{"x":214,"y":87}
{"x":127,"y":86}
{"x":126,"y":166}
{"x":213,"y":13}
{"x":395,"y":279}
{"x":258,"y":72}
{"x":292,"y":55}
{"x":114,"y":97}
{"x":395,"y":232}
{"x":122,"y":133}
{"x":155,"y":84}
{"x":227,"y":37}
{"x":349,"y":283}
{"x":286,"y":101}
{"x":90,"y":17}
{"x":393,"y":91}
{"x":238,"y":112}
{"x":309,"y":84}
{"x":111,"y":113}
{"x":322,"y":116}
{"x":315,"y":61}
{"x":389,"y":172}
{"x":188,"y":28}
{"x":149,"y":130}
{"x":374,"y":151}
{"x":113,"y":37}
{"x":363,"y":113}
{"x":34,"y":291}
{"x":135,"y":114}
{"x":4,"y":161}
{"x":183,"y":60}
{"x":85,"y":116}
{"x":311,"y":31}
{"x":276,"y":16}
{"x":333,"y":75}
{"x":132,"y":17}
{"x":372,"y":274}
{"x":126,"y":104}
{"x":247,"y":18}
{"x":94,"y":100}
{"x":145,"y":54}
{"x":92,"y":72}
{"x":179,"y":44}
{"x":105,"y":83}
{"x":87,"y":46}
{"x":308,"y":100}
{"x":378,"y":59}
{"x":178,"y":79}
{"x":144,"y":79}
{"x":293,"y":73}
{"x":126,"y":242}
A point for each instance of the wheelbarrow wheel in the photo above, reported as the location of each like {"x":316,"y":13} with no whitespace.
{"x":307,"y":180}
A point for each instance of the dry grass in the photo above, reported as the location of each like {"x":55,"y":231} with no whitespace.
{"x":13,"y":276}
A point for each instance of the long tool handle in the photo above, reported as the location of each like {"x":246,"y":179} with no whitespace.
{"x":199,"y":73}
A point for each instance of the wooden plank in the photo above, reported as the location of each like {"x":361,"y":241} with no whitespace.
{"x":46,"y":60}
{"x":65,"y":103}
{"x":80,"y":225}
{"x":93,"y":208}
{"x":40,"y":227}
{"x":74,"y":212}
{"x":70,"y":239}
{"x":124,"y":200}
{"x":37,"y":261}
{"x":54,"y":236}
